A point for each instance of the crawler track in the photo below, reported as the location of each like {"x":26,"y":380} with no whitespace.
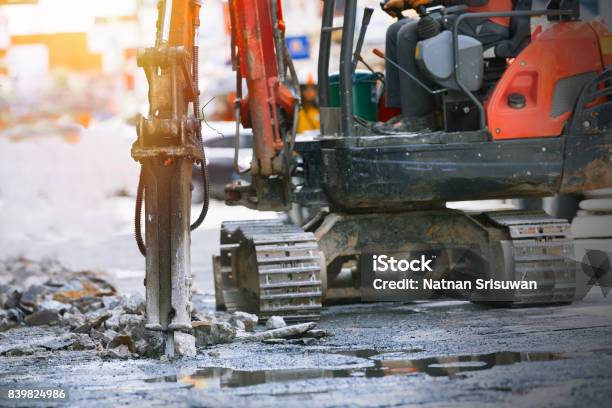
{"x":542,"y":248}
{"x":269,"y":268}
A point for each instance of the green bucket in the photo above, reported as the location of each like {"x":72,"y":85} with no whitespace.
{"x":365,"y":99}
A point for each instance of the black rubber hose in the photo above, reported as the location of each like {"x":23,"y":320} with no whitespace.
{"x":196,"y":112}
{"x":206,"y":187}
{"x":138,"y":213}
{"x":139,"y":199}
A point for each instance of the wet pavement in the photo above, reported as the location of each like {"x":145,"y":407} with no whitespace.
{"x":434,"y":354}
{"x":428,"y":354}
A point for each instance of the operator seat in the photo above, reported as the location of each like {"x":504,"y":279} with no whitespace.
{"x":479,"y":69}
{"x":434,"y":54}
{"x":520,"y":32}
{"x":497,"y":54}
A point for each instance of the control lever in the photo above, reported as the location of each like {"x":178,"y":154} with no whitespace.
{"x":380,"y":76}
{"x":397,"y":13}
{"x":367,"y":16}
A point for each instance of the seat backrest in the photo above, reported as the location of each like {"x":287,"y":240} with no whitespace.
{"x":520,"y":32}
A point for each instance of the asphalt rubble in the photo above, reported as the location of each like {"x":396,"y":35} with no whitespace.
{"x":89,"y":314}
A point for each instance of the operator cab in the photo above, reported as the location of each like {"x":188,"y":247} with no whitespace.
{"x":465,"y":73}
{"x":479,"y":68}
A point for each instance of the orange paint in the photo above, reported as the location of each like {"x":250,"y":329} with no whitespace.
{"x":494,"y":6}
{"x":563,"y":51}
{"x":66,"y":50}
{"x":14,"y":2}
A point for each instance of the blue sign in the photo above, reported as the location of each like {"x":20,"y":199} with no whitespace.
{"x":299,"y":47}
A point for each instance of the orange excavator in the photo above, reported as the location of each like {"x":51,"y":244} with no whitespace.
{"x":528,"y":117}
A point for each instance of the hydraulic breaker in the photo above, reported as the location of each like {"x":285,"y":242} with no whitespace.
{"x":169,"y":143}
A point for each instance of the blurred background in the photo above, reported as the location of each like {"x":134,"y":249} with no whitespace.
{"x":74,"y":62}
{"x":70,"y":92}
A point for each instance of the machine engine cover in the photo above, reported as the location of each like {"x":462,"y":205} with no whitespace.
{"x":435,"y":59}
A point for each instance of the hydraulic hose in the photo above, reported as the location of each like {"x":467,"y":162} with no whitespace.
{"x":139,"y":200}
{"x":138,"y":213}
{"x":204,"y":170}
{"x":206,"y":201}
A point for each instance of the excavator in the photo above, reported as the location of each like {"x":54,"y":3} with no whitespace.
{"x":528,"y":117}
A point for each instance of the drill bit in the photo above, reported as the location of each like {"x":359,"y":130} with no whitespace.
{"x":169,"y":344}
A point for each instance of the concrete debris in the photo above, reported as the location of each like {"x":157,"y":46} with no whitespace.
{"x":93,"y":320}
{"x":103,"y":337}
{"x":317,"y":334}
{"x":141,"y":347}
{"x":73,"y":320}
{"x":24,"y":273}
{"x":84,"y":292}
{"x":184,"y":344}
{"x":275,"y":322}
{"x":24,"y":351}
{"x":44,"y":293}
{"x":131,"y":320}
{"x":9,"y":296}
{"x":39,"y":339}
{"x":59,"y":342}
{"x":10,"y":318}
{"x":83,"y":342}
{"x":239,"y":325}
{"x":34,"y":281}
{"x":122,"y":352}
{"x":150,"y":344}
{"x":144,"y":342}
{"x":304,"y":341}
{"x":113,"y":322}
{"x":133,"y":304}
{"x":88,"y":304}
{"x":43,"y":317}
{"x":6,"y":323}
{"x":32,"y":297}
{"x":125,"y":340}
{"x":212,"y":331}
{"x":53,"y":305}
{"x":110,"y":302}
{"x":289,"y":331}
{"x":249,"y":321}
{"x":275,"y":341}
{"x":75,"y":289}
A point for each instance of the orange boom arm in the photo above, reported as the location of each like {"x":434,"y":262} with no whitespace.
{"x":259,"y":58}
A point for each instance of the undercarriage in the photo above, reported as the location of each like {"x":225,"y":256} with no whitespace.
{"x":270,"y":268}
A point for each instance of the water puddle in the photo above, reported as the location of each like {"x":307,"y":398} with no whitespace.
{"x":218,"y":377}
{"x":369,"y":353}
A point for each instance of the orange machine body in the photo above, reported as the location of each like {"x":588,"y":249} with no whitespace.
{"x":565,"y":50}
{"x":253,"y":28}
